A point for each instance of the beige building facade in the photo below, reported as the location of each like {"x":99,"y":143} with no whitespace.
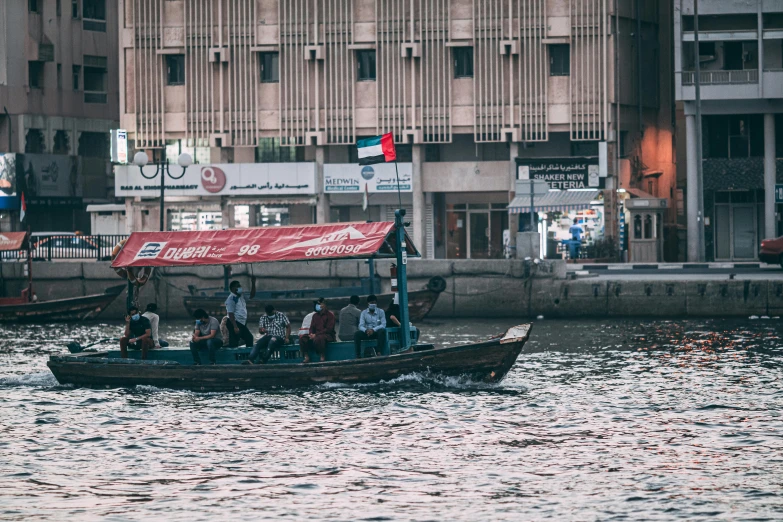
{"x":59,"y":98}
{"x":477,"y":95}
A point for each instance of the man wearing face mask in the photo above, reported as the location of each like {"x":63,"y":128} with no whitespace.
{"x":205,"y":336}
{"x":237,"y":315}
{"x":137,"y":335}
{"x":321,"y":332}
{"x":372,"y":324}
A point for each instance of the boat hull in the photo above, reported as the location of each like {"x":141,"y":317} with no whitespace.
{"x":71,"y":309}
{"x":420,"y":302}
{"x":488,"y":361}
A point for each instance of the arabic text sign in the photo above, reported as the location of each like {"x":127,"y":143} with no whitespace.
{"x":562,"y":173}
{"x":253,"y":245}
{"x":229,"y":179}
{"x":379,"y":178}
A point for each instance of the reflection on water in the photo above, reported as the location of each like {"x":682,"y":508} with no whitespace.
{"x":597,"y":420}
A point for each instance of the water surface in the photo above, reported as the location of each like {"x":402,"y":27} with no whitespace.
{"x":609,"y":420}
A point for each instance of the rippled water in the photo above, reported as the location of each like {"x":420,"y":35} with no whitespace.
{"x":597,"y":420}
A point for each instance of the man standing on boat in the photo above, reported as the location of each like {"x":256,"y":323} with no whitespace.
{"x":237,"y":314}
{"x":321,"y":332}
{"x":137,"y":335}
{"x":205,"y":336}
{"x":275,"y":330}
{"x":371,"y":326}
{"x":349,"y":319}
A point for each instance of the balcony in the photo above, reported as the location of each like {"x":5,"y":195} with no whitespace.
{"x":746,"y":77}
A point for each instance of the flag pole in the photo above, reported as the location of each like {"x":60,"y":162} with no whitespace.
{"x":399,"y":195}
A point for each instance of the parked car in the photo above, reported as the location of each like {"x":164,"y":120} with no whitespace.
{"x":772,"y":251}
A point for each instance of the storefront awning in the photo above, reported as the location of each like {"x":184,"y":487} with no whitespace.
{"x":555,"y":201}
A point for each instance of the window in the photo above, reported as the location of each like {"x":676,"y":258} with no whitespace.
{"x":33,"y":6}
{"x":58,"y":8}
{"x":59,"y":76}
{"x":365,"y":63}
{"x":94,"y":145}
{"x":559,"y":60}
{"x":737,"y":136}
{"x":582,"y":149}
{"x":34,"y":142}
{"x":706,"y":48}
{"x":76,"y":76}
{"x":94,"y":15}
{"x":95,"y":74}
{"x":35,"y":72}
{"x":463,"y":62}
{"x":74,"y":8}
{"x":175,"y":65}
{"x":61,"y":145}
{"x":269,"y":150}
{"x":270,"y":67}
{"x":738,"y":56}
{"x":94,"y":9}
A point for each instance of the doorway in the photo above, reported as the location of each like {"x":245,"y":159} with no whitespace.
{"x":737,"y":226}
{"x":475,"y":230}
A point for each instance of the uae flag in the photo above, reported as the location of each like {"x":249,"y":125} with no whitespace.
{"x":22,"y":209}
{"x":379,"y":149}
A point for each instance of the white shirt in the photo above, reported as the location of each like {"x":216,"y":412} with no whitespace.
{"x":154,"y":320}
{"x":305,"y":328}
{"x":236,"y":304}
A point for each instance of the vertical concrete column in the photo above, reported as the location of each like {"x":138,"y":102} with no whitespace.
{"x":692,"y":187}
{"x":418,"y":219}
{"x":513,"y":219}
{"x":227,"y":211}
{"x":129,"y":216}
{"x":770,"y":176}
{"x":253,"y":215}
{"x":322,"y":208}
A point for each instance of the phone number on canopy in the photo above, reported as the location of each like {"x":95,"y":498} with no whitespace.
{"x":251,"y":250}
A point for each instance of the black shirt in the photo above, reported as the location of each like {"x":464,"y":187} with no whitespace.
{"x":140,"y":327}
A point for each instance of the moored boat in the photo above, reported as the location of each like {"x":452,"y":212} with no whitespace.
{"x":487,"y":361}
{"x":26,"y":307}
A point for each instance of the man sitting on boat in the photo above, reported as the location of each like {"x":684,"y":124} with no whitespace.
{"x":151,"y":314}
{"x":206,"y":336}
{"x":321,"y":332}
{"x":371,"y":326}
{"x":349,"y":319}
{"x":275,"y":330}
{"x":137,"y":335}
{"x":237,"y":315}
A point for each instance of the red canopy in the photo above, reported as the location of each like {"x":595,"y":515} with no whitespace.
{"x":12,"y":240}
{"x":260,"y":245}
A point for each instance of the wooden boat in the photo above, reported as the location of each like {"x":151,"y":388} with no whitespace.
{"x":26,"y":308}
{"x":487,"y":361}
{"x":69,"y":309}
{"x":400,"y":353}
{"x":420,"y":302}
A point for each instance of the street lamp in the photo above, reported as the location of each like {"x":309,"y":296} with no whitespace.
{"x":140,"y":159}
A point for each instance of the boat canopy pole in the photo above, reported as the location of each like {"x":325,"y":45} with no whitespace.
{"x":402,"y":262}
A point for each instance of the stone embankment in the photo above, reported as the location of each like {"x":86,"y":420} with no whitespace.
{"x":475,"y":288}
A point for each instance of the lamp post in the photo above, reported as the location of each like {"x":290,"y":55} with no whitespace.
{"x":140,"y":159}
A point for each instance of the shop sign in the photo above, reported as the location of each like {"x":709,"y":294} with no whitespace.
{"x":778,"y":193}
{"x":229,"y":179}
{"x":119,"y":146}
{"x":562,"y":173}
{"x":379,"y":178}
{"x":49,"y":176}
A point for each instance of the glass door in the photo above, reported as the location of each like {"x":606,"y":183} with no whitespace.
{"x":479,"y":235}
{"x":744,"y":239}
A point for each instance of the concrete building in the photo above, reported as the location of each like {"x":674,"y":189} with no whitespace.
{"x":741,"y":89}
{"x":270,"y":96}
{"x":58,"y":101}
